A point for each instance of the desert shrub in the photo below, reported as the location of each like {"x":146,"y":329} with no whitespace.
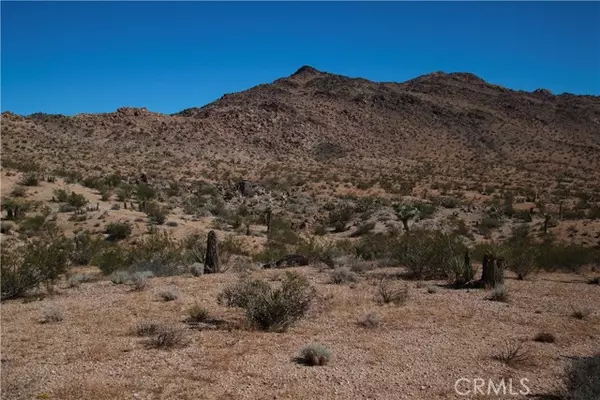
{"x":544,"y":337}
{"x":390,"y":291}
{"x":118,"y":230}
{"x":426,"y":210}
{"x":461,"y":272}
{"x":147,"y":328}
{"x":342,"y":275}
{"x":376,"y":246}
{"x":86,"y":247}
{"x":489,"y":223}
{"x":281,"y":240}
{"x":271,"y":309}
{"x":160,"y":254}
{"x":76,"y":200}
{"x":41,"y":261}
{"x":139,"y":280}
{"x":581,"y":313}
{"x":32,"y":225}
{"x":60,"y":195}
{"x":196,"y":314}
{"x":144,"y":192}
{"x":582,"y":378}
{"x":314,"y":354}
{"x":448,"y":202}
{"x":427,"y":253}
{"x":243,"y":293}
{"x":156,"y":213}
{"x":169,"y":294}
{"x":166,"y":338}
{"x":119,"y":277}
{"x":19,"y":191}
{"x":563,"y":256}
{"x":340,"y":217}
{"x":30,"y":179}
{"x":520,"y":253}
{"x":124,"y":191}
{"x":77,"y":279}
{"x":51,"y":315}
{"x":6,"y":227}
{"x":230,"y":246}
{"x":111,"y":258}
{"x":370,"y":320}
{"x":512,"y":353}
{"x":363,"y":229}
{"x":499,"y":293}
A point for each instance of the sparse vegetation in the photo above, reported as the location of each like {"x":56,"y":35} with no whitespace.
{"x":545,"y":337}
{"x":271,"y":309}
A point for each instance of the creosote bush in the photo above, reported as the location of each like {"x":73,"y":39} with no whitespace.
{"x":314,"y":354}
{"x":118,"y":230}
{"x":268,"y":308}
{"x":41,"y":261}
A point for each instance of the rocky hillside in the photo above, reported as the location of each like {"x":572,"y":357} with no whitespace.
{"x":456,"y":122}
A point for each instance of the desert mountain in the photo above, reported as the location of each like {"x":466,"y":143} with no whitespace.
{"x":455,"y":121}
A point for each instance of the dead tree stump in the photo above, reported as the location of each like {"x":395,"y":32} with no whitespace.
{"x":211,"y":263}
{"x":493,"y":272}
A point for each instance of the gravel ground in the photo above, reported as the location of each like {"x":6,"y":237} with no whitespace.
{"x":418,"y":352}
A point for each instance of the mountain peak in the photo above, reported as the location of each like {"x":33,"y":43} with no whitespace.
{"x":306,"y":70}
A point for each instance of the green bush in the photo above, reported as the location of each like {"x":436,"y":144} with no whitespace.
{"x":86,"y":247}
{"x":270,"y":309}
{"x":61,"y":195}
{"x":77,"y":200}
{"x":376,"y":246}
{"x":582,"y":378}
{"x":156,"y":213}
{"x":118,"y":230}
{"x":427,"y":253}
{"x":160,"y":254}
{"x":340,"y":217}
{"x":30,"y":179}
{"x":111,"y":258}
{"x":41,"y":261}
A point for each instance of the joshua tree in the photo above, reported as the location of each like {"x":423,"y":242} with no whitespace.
{"x":406,"y":212}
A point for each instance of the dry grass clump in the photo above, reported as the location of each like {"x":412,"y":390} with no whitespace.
{"x":342,"y":275}
{"x":389,"y":291}
{"x":169,"y":294}
{"x":196,"y":314}
{"x":51,"y":315}
{"x":167,"y":337}
{"x":370,"y":320}
{"x":512,"y":353}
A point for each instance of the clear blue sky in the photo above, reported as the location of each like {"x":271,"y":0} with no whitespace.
{"x":68,"y":57}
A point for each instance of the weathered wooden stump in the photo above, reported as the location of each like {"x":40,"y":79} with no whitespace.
{"x":493,"y":272}
{"x":211,"y":263}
